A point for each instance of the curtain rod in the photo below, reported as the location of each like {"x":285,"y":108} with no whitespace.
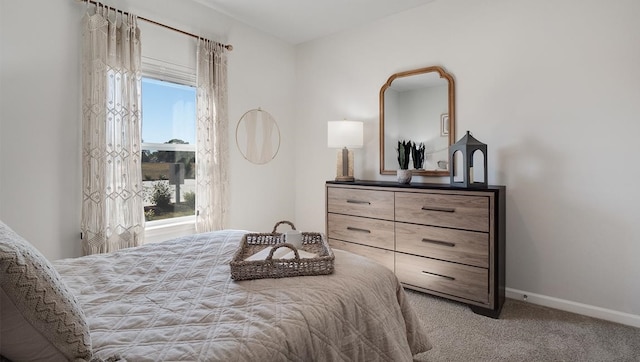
{"x":229,"y":47}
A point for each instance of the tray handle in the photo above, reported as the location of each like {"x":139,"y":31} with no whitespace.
{"x":278,"y":246}
{"x":283,"y":222}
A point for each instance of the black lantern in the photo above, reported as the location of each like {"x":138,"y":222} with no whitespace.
{"x":467,"y":146}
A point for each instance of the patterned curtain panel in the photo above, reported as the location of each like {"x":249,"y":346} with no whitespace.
{"x":212,"y":146}
{"x":112,"y":205}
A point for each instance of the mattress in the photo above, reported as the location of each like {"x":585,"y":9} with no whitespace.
{"x":176,"y":301}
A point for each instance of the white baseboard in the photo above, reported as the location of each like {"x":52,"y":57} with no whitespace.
{"x":573,"y":307}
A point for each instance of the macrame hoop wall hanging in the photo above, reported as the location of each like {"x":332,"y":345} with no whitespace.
{"x":258,"y":136}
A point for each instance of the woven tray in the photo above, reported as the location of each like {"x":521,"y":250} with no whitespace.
{"x":279,"y":268}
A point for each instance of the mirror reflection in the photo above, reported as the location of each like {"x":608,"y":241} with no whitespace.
{"x":418,"y":106}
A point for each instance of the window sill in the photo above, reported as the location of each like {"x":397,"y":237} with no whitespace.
{"x":162,"y":230}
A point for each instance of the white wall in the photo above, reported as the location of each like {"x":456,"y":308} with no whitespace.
{"x":553,"y":88}
{"x":40,"y":135}
{"x":40,"y":116}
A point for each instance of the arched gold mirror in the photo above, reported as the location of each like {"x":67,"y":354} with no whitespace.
{"x":418,"y":106}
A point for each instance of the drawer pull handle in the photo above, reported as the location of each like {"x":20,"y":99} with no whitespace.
{"x":438,"y":275}
{"x":358,"y":229}
{"x":435,"y":208}
{"x":349,"y":201}
{"x":444,"y":243}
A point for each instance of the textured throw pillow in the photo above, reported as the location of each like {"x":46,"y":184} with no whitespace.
{"x":40,"y":320}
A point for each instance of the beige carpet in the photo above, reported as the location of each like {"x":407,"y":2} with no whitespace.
{"x":524,"y":332}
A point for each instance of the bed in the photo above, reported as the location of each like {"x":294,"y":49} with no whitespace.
{"x":175,"y":301}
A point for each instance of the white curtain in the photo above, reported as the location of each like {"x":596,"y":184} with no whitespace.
{"x":212,"y":145}
{"x":112,"y":205}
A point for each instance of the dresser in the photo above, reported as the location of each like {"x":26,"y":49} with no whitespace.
{"x":438,"y":239}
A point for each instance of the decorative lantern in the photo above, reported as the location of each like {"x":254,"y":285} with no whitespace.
{"x":467,"y":146}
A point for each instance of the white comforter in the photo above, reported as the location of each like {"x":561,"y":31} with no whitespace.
{"x":175,"y":301}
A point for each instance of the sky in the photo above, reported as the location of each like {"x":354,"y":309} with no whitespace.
{"x":168,"y":112}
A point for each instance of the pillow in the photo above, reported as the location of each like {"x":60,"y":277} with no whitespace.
{"x":40,"y":319}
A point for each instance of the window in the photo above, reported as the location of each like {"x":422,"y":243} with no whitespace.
{"x":168,"y":149}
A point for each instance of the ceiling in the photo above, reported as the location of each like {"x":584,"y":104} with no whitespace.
{"x":299,"y":21}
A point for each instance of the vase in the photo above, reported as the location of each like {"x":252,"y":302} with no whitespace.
{"x":404,"y":176}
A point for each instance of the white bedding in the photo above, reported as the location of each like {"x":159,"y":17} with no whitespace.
{"x":176,"y":301}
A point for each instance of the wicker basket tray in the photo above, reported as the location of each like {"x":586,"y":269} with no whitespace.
{"x":252,"y":243}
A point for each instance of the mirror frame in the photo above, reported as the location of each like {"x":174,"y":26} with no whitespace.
{"x":452,"y":117}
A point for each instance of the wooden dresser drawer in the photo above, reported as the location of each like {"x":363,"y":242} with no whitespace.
{"x":462,"y":281}
{"x":454,"y":211}
{"x":460,"y":246}
{"x":369,"y":203}
{"x":384,"y":257}
{"x":373,"y":232}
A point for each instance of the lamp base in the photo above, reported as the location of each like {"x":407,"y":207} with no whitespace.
{"x":344,"y":165}
{"x":345,"y":178}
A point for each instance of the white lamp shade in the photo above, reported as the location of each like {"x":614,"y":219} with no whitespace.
{"x":345,"y":134}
